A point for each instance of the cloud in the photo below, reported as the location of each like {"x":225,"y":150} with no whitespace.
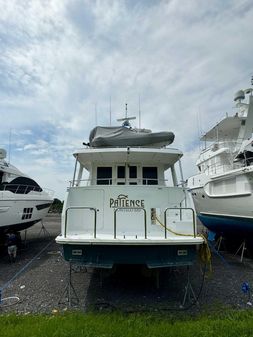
{"x":61,"y":61}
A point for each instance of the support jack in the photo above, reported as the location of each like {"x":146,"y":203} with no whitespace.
{"x":242,"y":248}
{"x":218,"y":243}
{"x":69,"y":294}
{"x":43,"y":231}
{"x":189,"y":292}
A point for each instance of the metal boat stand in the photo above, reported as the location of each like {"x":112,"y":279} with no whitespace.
{"x":43,"y":230}
{"x":189,"y":292}
{"x":24,"y":242}
{"x":218,"y":243}
{"x":69,"y":293}
{"x":242,"y":248}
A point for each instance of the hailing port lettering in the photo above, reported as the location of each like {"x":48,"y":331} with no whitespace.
{"x":123,"y":201}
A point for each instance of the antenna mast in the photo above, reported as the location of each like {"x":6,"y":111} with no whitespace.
{"x":9,"y":154}
{"x":96,"y":115}
{"x":126,"y":119}
{"x":139,"y":111}
{"x":110,"y":111}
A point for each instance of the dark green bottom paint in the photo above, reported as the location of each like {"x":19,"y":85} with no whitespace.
{"x":105,"y":256}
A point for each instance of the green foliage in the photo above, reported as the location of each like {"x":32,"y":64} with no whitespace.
{"x":114,"y":324}
{"x":56,"y":206}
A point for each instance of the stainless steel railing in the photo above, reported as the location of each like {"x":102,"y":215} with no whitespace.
{"x":133,"y":208}
{"x":24,"y":189}
{"x":166,"y":229}
{"x":19,"y":188}
{"x":81,"y":207}
{"x":115,"y":181}
{"x":180,"y":209}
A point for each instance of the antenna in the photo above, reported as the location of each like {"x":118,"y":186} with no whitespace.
{"x":9,"y":154}
{"x":96,"y":114}
{"x":139,"y":111}
{"x":110,"y":107}
{"x":126,"y":119}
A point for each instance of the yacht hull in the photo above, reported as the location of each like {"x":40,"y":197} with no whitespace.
{"x":223,"y":189}
{"x":21,"y":213}
{"x":228,"y":216}
{"x":104,"y":227}
{"x":228,"y":226}
{"x":153,"y":256}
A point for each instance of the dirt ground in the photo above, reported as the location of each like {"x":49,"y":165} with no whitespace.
{"x":38,"y":281}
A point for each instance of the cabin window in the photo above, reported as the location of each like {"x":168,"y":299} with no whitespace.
{"x":27,"y":213}
{"x":132,"y":172}
{"x":149,"y":176}
{"x":104,"y":176}
{"x":121,"y":172}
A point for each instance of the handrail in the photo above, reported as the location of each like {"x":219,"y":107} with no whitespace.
{"x":180,"y":210}
{"x":145,"y":219}
{"x":15,"y":188}
{"x":4,"y":187}
{"x":81,"y":207}
{"x":217,"y":145}
{"x":114,"y":181}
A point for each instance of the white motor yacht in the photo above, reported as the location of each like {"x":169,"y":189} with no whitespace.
{"x":22,"y":201}
{"x":223,"y":189}
{"x":125,"y":212}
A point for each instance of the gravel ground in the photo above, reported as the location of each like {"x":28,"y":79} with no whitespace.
{"x":40,"y":287}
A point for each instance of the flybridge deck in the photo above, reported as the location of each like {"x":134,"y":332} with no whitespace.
{"x":89,"y":156}
{"x":123,"y":212}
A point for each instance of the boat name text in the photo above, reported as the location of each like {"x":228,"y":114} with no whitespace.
{"x":123,"y":201}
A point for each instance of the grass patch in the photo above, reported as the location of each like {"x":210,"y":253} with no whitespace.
{"x":78,"y":324}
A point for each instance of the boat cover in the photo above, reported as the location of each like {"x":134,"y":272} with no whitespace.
{"x":246,"y":150}
{"x":124,"y":136}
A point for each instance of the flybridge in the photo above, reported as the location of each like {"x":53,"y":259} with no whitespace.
{"x":123,"y":201}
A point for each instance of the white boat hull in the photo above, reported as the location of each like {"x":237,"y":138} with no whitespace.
{"x":107,"y":225}
{"x":18,"y":212}
{"x":224,"y":204}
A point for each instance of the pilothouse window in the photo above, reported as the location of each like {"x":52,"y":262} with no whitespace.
{"x":149,"y":176}
{"x":104,"y":176}
{"x":132,"y":172}
{"x":121,"y":172}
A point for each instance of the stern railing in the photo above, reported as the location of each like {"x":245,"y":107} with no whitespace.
{"x":81,"y":207}
{"x":180,"y":211}
{"x":127,"y":208}
{"x":180,"y":217}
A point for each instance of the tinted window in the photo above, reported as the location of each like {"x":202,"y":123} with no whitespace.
{"x":132,"y":171}
{"x":121,"y":171}
{"x":104,"y":175}
{"x":149,"y":175}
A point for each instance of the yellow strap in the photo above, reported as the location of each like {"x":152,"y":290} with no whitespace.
{"x":170,"y":230}
{"x":204,"y":252}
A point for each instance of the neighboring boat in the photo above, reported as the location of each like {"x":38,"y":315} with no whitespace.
{"x":125,"y":213}
{"x":223,"y":189}
{"x":22,"y":200}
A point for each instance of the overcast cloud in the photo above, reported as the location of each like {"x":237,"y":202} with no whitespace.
{"x":62,"y":60}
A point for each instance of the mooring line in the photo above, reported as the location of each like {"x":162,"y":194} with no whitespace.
{"x":23,"y":269}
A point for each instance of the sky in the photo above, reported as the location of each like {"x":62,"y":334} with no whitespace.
{"x":63,"y":61}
